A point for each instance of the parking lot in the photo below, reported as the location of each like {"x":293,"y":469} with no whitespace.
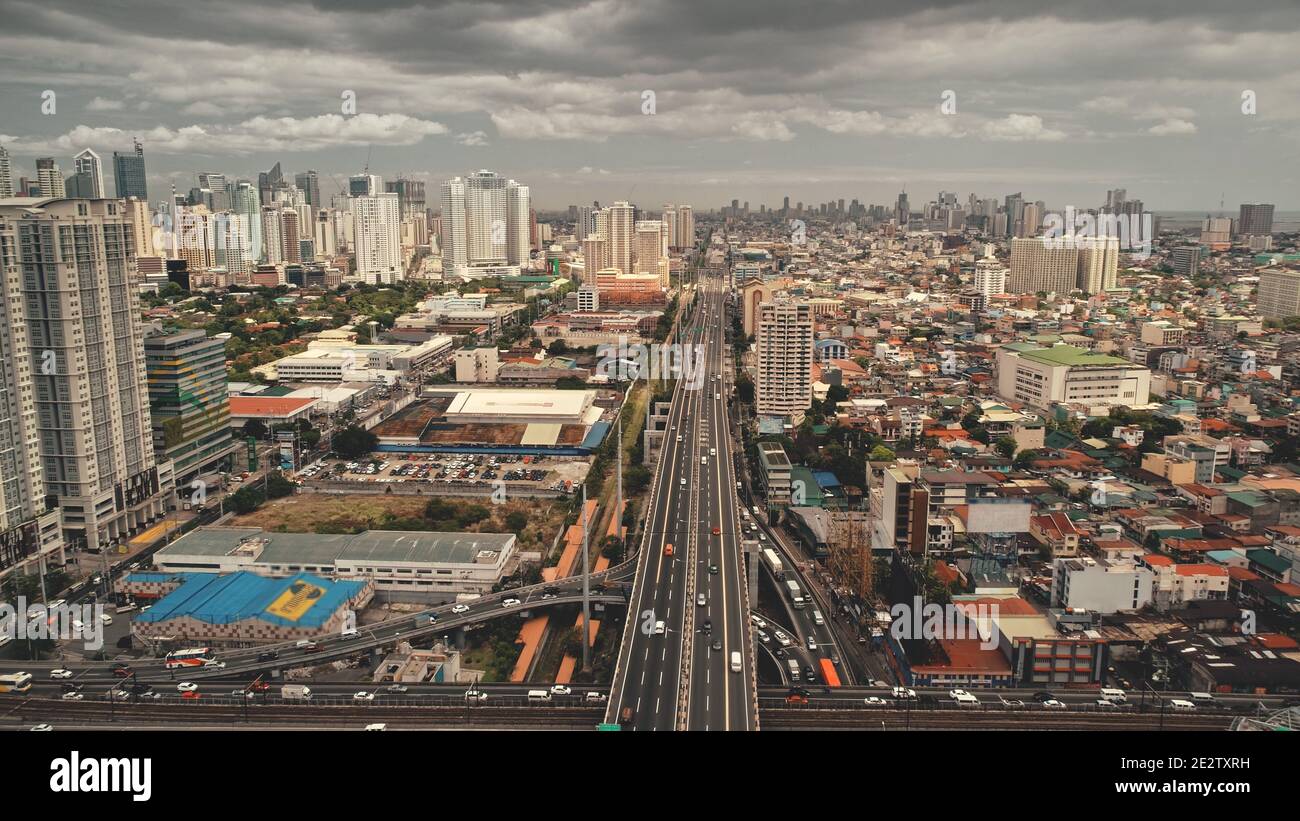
{"x":481,"y":471}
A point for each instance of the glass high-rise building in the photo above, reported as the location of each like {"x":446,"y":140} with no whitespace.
{"x":189,"y":408}
{"x":128,"y":174}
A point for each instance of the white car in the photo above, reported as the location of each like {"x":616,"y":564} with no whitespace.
{"x":594,"y":696}
{"x":758,"y":621}
{"x":904,"y":692}
{"x":42,"y":728}
{"x":72,"y":696}
{"x":58,"y":674}
{"x":475,"y":696}
{"x":812,"y":643}
{"x":106,"y":619}
{"x":874,"y":701}
{"x":561,"y":690}
{"x":1054,"y":704}
{"x":781,"y":638}
{"x":957,"y":694}
{"x":363,"y":696}
{"x":510,"y":602}
{"x":187,"y":687}
{"x":460,"y":608}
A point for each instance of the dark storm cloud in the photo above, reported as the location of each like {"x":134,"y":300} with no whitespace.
{"x":1133,"y":89}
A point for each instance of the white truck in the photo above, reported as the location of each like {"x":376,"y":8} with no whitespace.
{"x":774,"y":564}
{"x":796,"y":594}
{"x":295,"y":692}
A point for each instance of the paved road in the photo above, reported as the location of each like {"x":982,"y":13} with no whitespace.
{"x":693,"y":493}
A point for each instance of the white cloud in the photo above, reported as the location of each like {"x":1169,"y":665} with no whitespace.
{"x":104,"y":104}
{"x":252,"y":135}
{"x":1172,"y":127}
{"x":1020,"y":128}
{"x":473,"y":138}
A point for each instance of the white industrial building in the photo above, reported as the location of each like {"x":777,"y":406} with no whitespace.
{"x":1101,"y":586}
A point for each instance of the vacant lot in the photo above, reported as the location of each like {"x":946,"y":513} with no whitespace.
{"x":334,"y":513}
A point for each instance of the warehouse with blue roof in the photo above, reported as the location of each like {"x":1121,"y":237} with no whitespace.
{"x":243,"y":609}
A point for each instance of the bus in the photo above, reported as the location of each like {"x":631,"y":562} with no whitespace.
{"x":196,"y":657}
{"x":831,"y":677}
{"x":15,"y":683}
{"x":773,"y":562}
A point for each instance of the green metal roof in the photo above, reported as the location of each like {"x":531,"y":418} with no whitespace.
{"x":1073,"y":357}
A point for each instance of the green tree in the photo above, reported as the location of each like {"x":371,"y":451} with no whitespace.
{"x":354,"y":441}
{"x":1005,"y":446}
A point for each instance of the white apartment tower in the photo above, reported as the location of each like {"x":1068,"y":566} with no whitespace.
{"x":71,"y":282}
{"x":6,"y":175}
{"x":485,"y":218}
{"x":784,"y":344}
{"x":685,"y":234}
{"x":990,"y":277}
{"x":595,"y":257}
{"x":620,"y":232}
{"x":486,"y":223}
{"x":1098,"y":263}
{"x":31,"y":537}
{"x":518,"y":223}
{"x":377,"y":239}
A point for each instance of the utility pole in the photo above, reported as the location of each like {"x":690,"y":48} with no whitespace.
{"x":586,"y":587}
{"x":618,"y":504}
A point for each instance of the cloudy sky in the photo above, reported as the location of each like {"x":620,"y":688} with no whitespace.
{"x":752,"y":99}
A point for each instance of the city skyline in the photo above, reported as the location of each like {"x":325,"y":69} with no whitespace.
{"x":775,"y":102}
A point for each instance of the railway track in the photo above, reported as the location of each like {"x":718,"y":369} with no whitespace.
{"x":820,"y":719}
{"x":82,"y":713}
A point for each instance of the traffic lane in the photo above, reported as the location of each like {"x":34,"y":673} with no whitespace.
{"x":658,"y":522}
{"x":660,"y":666}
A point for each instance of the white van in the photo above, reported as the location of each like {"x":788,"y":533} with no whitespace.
{"x":817,"y":618}
{"x":659,"y":628}
{"x":1181,"y":704}
{"x":736,"y":666}
{"x":539,"y":695}
{"x":1112,"y":694}
{"x":350,"y":633}
{"x":1201,"y":698}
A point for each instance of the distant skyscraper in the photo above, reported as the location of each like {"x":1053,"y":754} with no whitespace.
{"x":377,"y":225}
{"x":1255,"y":220}
{"x":244,"y":200}
{"x":309,"y":183}
{"x":595,"y":257}
{"x":410,"y":196}
{"x":455,"y":233}
{"x":267,"y":182}
{"x":87,"y":163}
{"x":1187,"y":260}
{"x":129,"y":174}
{"x":518,"y":224}
{"x":50,"y":177}
{"x":6,"y":175}
{"x":1098,"y":263}
{"x":685,"y":226}
{"x":1038,"y":264}
{"x":620,"y":232}
{"x":365,"y":185}
{"x":486,"y":222}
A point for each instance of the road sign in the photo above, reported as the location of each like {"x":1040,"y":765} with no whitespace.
{"x":609,"y":728}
